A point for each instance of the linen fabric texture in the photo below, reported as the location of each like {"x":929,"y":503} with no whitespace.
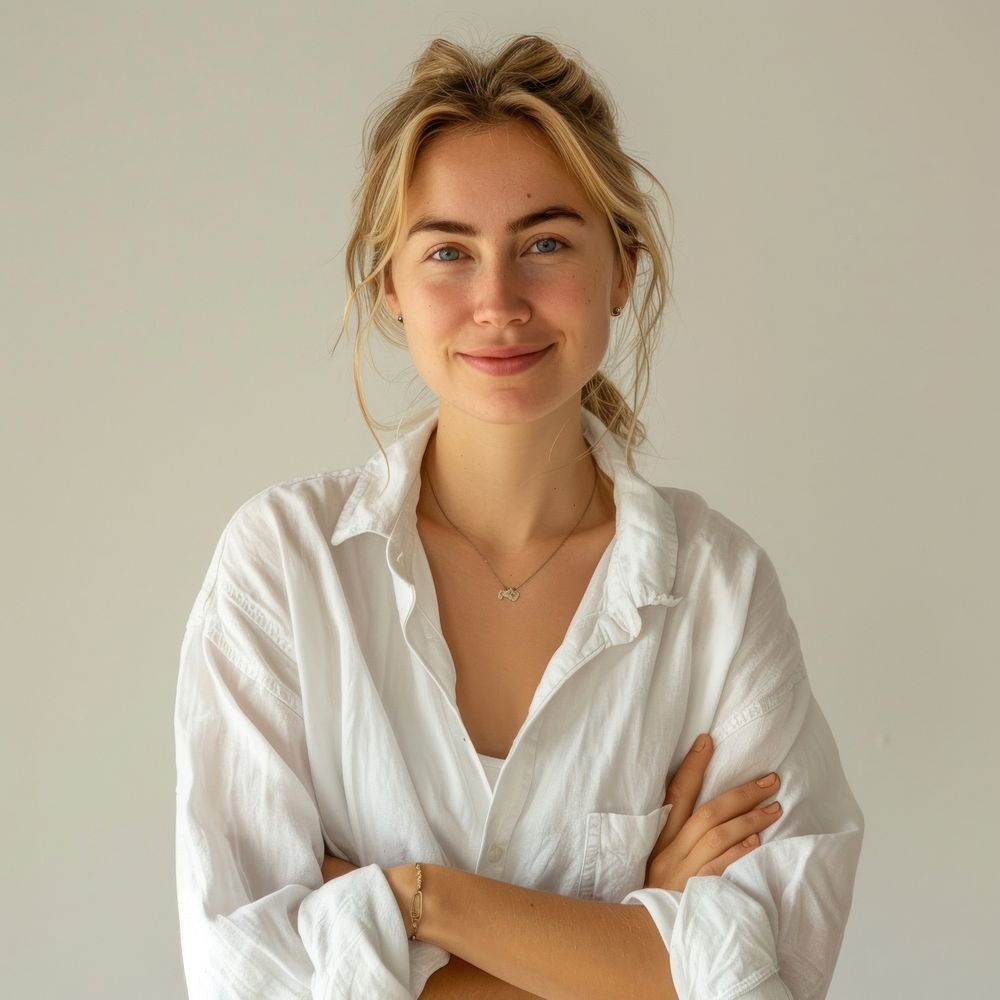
{"x":316,"y":713}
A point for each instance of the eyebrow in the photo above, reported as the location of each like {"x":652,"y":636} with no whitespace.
{"x":428,"y":223}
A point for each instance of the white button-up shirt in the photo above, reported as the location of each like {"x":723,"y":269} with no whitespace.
{"x":316,"y":713}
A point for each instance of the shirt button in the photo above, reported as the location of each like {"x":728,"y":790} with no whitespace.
{"x":494,"y":854}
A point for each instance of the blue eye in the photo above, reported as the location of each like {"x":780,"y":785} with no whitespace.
{"x":548,"y":239}
{"x":434,"y":256}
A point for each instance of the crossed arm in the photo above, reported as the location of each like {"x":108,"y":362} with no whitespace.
{"x":511,"y":943}
{"x":543,"y":943}
{"x":456,"y":979}
{"x":517,"y":942}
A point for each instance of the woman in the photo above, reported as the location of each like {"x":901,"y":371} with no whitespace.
{"x":463,"y":701}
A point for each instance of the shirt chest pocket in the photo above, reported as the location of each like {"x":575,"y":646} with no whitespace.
{"x":616,"y":850}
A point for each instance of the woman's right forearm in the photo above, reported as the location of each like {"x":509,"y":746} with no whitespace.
{"x":459,"y":980}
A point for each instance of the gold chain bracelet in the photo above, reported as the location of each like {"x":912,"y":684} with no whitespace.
{"x":417,"y":906}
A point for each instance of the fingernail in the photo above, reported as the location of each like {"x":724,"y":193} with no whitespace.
{"x":767,"y":780}
{"x":701,"y":743}
{"x":773,"y":807}
{"x":752,"y":840}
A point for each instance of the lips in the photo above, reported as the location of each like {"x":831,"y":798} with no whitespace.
{"x":505,"y":351}
{"x":515,"y":361}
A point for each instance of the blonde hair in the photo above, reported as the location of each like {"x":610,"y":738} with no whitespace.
{"x":530,"y":80}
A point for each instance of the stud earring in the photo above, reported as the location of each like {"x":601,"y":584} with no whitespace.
{"x":617,"y":311}
{"x":399,"y":319}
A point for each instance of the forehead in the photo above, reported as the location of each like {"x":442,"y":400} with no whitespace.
{"x":505,"y":169}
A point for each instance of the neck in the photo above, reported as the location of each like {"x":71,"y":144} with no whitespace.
{"x":512,"y":487}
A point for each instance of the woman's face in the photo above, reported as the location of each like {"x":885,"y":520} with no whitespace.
{"x":501,"y":248}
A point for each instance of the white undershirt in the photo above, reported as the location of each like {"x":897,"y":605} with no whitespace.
{"x":492,"y":765}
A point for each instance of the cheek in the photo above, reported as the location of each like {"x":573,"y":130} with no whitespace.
{"x":444,"y":297}
{"x":427,"y":358}
{"x":576,"y":291}
{"x":437,"y":308}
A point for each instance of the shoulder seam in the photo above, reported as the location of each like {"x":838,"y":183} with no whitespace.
{"x":760,"y":708}
{"x":256,"y":614}
{"x":216,"y":635}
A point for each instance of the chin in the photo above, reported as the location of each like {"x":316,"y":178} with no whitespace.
{"x":510,"y":408}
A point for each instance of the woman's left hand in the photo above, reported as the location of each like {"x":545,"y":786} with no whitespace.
{"x":335,"y":867}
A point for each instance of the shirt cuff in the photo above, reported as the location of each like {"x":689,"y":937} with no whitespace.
{"x":719,"y":940}
{"x":663,"y":906}
{"x":351,"y":927}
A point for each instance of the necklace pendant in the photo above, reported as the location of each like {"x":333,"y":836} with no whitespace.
{"x":510,"y":593}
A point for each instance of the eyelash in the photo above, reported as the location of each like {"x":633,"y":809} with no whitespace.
{"x":541,"y":239}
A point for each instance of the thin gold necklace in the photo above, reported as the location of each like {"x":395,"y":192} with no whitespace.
{"x":512,"y":593}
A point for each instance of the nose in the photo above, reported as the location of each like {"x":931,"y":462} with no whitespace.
{"x":498,"y":296}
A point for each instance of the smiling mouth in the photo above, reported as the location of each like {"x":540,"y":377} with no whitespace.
{"x":513,"y":351}
{"x":509,"y":365}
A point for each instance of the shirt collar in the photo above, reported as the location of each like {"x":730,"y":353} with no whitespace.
{"x":643,"y":561}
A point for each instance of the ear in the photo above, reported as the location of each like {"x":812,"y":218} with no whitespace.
{"x":389,"y":290}
{"x":623,"y":286}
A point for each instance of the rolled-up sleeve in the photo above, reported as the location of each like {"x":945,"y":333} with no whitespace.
{"x":256,"y":918}
{"x":771,"y":926}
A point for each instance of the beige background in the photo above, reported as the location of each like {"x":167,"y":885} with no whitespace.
{"x":176,"y":185}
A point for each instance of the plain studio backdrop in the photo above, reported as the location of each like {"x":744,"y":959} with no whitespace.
{"x":175,"y":185}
